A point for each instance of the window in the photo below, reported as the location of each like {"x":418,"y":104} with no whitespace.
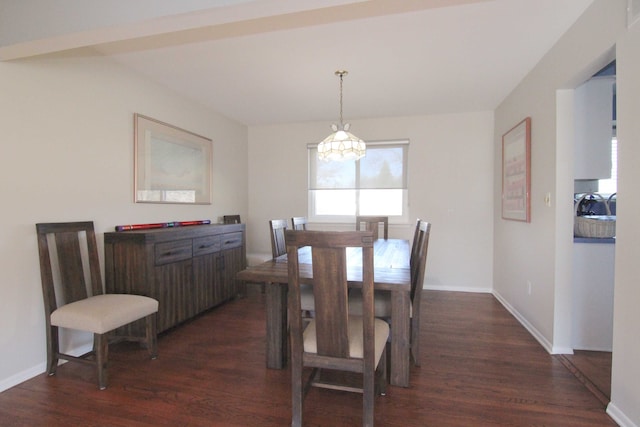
{"x":610,"y":186}
{"x":374,"y":185}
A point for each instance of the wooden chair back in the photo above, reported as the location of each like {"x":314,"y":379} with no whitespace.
{"x":299,"y":222}
{"x":418,"y":268}
{"x":64,"y":252}
{"x":415,"y":245}
{"x":331,"y":320}
{"x":231,"y":219}
{"x":419,"y":261}
{"x":329,"y":262}
{"x":372,"y":223}
{"x":277,"y":228}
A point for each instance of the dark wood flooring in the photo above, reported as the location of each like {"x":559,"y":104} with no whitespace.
{"x":593,"y":369}
{"x":480,"y":367}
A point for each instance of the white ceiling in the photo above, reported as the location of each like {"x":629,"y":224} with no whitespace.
{"x":273,"y":61}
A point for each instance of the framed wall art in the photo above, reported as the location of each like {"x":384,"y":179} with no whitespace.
{"x":172,"y":165}
{"x":516,"y":172}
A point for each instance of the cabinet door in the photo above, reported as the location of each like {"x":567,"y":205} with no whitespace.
{"x":214,"y":277}
{"x":231,"y":262}
{"x":204,"y":277}
{"x":174,"y":283}
{"x":594,"y":128}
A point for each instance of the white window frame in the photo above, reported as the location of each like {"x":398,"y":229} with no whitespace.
{"x":393,"y":219}
{"x":606,"y":185}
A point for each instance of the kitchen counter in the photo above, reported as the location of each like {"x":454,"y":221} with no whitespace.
{"x":593,"y":240}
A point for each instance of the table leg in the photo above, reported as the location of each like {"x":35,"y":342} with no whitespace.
{"x":400,"y":340}
{"x":276,"y":305}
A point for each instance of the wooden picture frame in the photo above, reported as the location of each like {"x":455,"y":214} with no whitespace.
{"x":516,"y":172}
{"x":172,"y":165}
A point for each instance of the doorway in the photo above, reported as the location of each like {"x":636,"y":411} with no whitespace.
{"x":595,"y":170}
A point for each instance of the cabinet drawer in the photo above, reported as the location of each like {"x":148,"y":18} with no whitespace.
{"x":168,"y":252}
{"x":231,"y":240}
{"x":206,"y":245}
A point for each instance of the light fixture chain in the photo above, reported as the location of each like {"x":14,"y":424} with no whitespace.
{"x":341,"y":122}
{"x":341,"y":145}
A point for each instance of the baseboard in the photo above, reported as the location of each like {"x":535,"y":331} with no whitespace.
{"x":619,"y":417}
{"x":529,"y":327}
{"x":39,"y":369}
{"x":457,"y":289}
{"x":23,"y":376}
{"x":592,"y":348}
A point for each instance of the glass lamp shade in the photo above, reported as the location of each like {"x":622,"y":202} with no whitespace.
{"x":341,"y":145}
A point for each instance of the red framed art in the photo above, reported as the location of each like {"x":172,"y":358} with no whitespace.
{"x":516,"y":172}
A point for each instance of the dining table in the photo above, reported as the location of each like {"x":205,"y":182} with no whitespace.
{"x":391,"y":273}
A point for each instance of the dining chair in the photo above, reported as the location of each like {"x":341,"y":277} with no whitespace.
{"x":231,"y":219}
{"x":382,"y":300}
{"x":278,"y":228}
{"x":299,"y":222}
{"x":74,"y":297}
{"x":334,"y":340}
{"x":372,"y":223}
{"x":415,"y":245}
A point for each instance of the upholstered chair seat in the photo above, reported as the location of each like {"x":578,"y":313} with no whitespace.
{"x":103,"y":313}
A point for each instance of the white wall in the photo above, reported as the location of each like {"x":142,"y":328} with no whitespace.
{"x":592,"y":296}
{"x":625,"y":389}
{"x":450,"y":185}
{"x":67,"y":154}
{"x":538,"y":251}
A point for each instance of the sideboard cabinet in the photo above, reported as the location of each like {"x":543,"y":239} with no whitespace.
{"x":187,"y":269}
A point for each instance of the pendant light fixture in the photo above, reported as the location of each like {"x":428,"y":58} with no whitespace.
{"x":341,"y":145}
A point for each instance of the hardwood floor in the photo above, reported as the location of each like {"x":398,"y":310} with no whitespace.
{"x":480,"y":367}
{"x":593,"y":369}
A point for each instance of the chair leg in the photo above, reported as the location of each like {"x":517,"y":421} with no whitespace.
{"x":415,"y":340}
{"x":368,"y":396}
{"x":381,"y":374}
{"x":242,"y":289}
{"x":152,"y":335}
{"x":53,"y":348}
{"x":101,"y":343}
{"x":297,"y":394}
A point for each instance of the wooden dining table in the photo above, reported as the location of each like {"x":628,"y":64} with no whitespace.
{"x":391,"y":273}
